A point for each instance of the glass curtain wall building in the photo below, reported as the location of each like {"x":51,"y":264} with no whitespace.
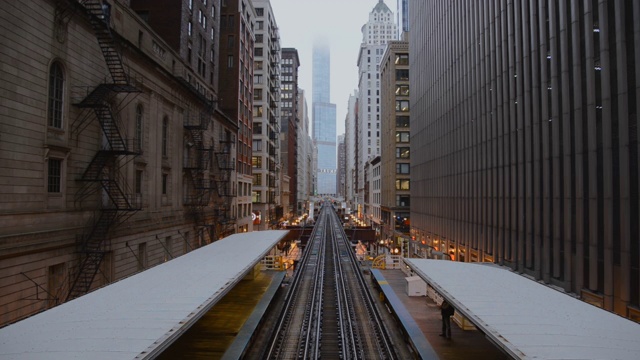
{"x":324,"y":121}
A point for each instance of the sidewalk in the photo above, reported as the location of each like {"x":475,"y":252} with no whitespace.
{"x":469,"y":344}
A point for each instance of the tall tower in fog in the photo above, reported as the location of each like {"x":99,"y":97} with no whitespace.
{"x":324,"y":121}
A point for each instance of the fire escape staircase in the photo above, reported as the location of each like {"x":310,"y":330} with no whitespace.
{"x":224,"y":185}
{"x":103,"y":174}
{"x":197,"y":167}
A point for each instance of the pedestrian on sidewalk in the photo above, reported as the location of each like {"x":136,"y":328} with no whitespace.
{"x":447,"y":311}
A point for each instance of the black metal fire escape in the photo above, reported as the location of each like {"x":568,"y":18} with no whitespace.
{"x":103,"y":175}
{"x":225,"y":190}
{"x":196,"y":168}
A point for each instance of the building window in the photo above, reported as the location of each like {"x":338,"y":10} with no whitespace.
{"x":259,"y":11}
{"x":230,"y":61}
{"x":256,"y":162}
{"x":258,"y":51}
{"x":402,"y":136}
{"x":402,"y":121}
{"x":257,"y":111}
{"x":257,"y":196}
{"x":138,"y":182}
{"x":56,"y":93}
{"x":403,"y":200}
{"x":139,"y":124}
{"x":402,"y":59}
{"x":165,"y":134}
{"x":165,"y":180}
{"x":54,"y":176}
{"x":402,"y":105}
{"x":402,"y":74}
{"x":402,"y":184}
{"x":257,"y":179}
{"x":257,"y":145}
{"x":402,"y":90}
{"x":402,"y":168}
{"x":402,"y":153}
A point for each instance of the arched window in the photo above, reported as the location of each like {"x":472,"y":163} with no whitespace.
{"x":139,"y":129}
{"x":56,"y":95}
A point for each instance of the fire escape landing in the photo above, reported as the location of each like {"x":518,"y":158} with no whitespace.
{"x":102,"y":178}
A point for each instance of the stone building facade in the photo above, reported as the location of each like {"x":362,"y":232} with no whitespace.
{"x":105,"y":142}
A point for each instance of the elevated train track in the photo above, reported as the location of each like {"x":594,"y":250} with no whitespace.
{"x":329,"y":312}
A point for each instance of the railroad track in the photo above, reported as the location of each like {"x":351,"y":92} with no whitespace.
{"x":328,"y":312}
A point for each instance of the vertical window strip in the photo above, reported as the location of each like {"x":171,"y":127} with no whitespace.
{"x":54,"y":176}
{"x":56,"y":88}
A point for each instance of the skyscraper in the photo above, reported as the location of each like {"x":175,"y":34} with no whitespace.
{"x":524,"y":147}
{"x":324,"y":121}
{"x":403,"y":17}
{"x":379,"y":30}
{"x":289,"y":122}
{"x":266,"y":121}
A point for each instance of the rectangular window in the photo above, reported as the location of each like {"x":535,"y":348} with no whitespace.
{"x":230,"y":61}
{"x":402,"y":90}
{"x":230,"y":42}
{"x":402,"y":168}
{"x":402,"y":121}
{"x":402,"y":153}
{"x":403,"y":200}
{"x":257,"y":51}
{"x":402,"y":136}
{"x":402,"y":105}
{"x":402,"y":184}
{"x":165,"y":179}
{"x":402,"y":74}
{"x":257,"y":111}
{"x":139,"y":182}
{"x":256,"y":162}
{"x":257,"y":145}
{"x":56,"y":89}
{"x":165,"y":134}
{"x":54,"y":177}
{"x":257,"y":179}
{"x":402,"y":59}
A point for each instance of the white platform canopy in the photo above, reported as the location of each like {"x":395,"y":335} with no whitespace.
{"x":139,"y":316}
{"x":527,"y":319}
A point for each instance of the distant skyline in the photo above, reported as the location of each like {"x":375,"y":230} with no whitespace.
{"x":339,"y":23}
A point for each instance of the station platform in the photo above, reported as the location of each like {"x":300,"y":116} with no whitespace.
{"x":226,"y":330}
{"x":464,"y":344}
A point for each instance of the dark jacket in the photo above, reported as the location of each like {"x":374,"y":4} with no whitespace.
{"x":446,"y":309}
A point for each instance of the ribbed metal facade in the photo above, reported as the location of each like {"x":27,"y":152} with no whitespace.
{"x":524,"y":139}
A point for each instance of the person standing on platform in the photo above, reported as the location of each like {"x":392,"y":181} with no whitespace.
{"x":447,"y":311}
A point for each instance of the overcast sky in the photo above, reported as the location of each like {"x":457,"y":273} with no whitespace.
{"x":339,"y":22}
